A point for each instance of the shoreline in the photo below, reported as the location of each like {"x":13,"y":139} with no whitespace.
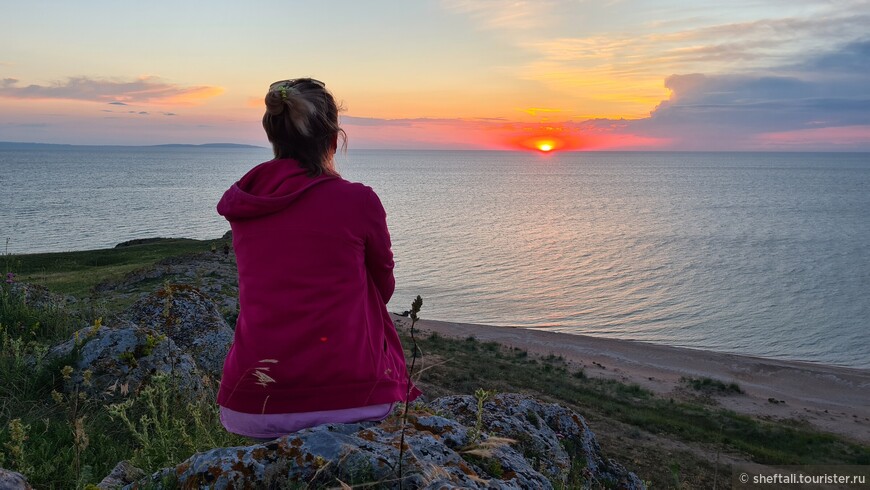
{"x":829,"y":398}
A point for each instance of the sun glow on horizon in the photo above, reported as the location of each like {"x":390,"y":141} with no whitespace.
{"x":551,"y":141}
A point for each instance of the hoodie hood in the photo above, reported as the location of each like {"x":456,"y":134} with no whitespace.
{"x":266,"y":189}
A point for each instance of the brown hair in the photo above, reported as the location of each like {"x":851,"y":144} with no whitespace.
{"x":301,"y":122}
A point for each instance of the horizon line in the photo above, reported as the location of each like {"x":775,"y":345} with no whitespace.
{"x":250,"y":146}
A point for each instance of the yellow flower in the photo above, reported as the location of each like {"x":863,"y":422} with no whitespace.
{"x":96,"y":328}
{"x":66,"y":372}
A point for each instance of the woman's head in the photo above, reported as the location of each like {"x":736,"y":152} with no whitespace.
{"x":301,"y":122}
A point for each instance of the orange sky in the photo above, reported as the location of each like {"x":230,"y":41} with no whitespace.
{"x":483,"y":74}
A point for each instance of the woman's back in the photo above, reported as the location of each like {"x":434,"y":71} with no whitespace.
{"x":315,"y":274}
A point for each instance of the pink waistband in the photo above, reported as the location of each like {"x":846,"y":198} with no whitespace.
{"x":274,"y":425}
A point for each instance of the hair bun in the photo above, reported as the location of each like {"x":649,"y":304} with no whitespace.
{"x":274,"y":104}
{"x":298,"y":106}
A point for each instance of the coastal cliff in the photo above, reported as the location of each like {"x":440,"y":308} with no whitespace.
{"x":111,"y":358}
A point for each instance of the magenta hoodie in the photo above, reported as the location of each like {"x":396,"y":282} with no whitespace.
{"x":315,"y":275}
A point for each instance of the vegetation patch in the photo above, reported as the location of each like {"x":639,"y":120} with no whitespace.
{"x":711,"y":386}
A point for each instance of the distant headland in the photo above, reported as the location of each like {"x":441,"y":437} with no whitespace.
{"x":13,"y":145}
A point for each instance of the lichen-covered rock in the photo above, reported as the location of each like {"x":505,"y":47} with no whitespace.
{"x":188,"y":318}
{"x":40,"y":297}
{"x":11,"y":480}
{"x":556,"y":439}
{"x":439,"y":454}
{"x":124,"y":473}
{"x":114,"y":362}
{"x":324,"y":455}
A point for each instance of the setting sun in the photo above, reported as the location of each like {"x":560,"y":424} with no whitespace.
{"x":544,"y":139}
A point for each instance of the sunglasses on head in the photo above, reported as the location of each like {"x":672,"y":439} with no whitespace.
{"x":294,"y":81}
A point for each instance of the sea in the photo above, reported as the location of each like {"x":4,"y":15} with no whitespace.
{"x":763,"y":254}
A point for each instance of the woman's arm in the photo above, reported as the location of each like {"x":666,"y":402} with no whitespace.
{"x":378,"y":255}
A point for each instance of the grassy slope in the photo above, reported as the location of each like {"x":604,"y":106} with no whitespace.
{"x":77,"y":272}
{"x":667,"y":442}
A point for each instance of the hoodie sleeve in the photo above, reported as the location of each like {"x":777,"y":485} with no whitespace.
{"x":378,"y":255}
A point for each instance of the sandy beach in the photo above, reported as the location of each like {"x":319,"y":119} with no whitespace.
{"x":830,"y":398}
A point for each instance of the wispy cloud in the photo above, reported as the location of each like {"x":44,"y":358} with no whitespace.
{"x":715,"y":48}
{"x":841,"y":138}
{"x":138,"y":113}
{"x":143,"y":90}
{"x":407,"y":122}
{"x":534,"y":111}
{"x":504,"y":14}
{"x":40,"y":125}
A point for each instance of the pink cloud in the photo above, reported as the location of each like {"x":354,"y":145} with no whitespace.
{"x":143,"y":90}
{"x":846,"y":137}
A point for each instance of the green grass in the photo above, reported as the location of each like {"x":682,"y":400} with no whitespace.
{"x":77,"y":273}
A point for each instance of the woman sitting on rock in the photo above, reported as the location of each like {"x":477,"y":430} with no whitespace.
{"x":314,"y":343}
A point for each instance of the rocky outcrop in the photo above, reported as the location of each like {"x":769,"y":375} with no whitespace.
{"x":124,"y":473}
{"x":113,"y":362}
{"x":557,"y":439}
{"x":175,"y":330}
{"x":188,"y":318}
{"x":441,"y":452}
{"x":10,"y":480}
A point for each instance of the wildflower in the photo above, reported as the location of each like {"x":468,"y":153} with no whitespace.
{"x":10,"y":278}
{"x":86,"y":376}
{"x":17,"y":430}
{"x":79,"y":435}
{"x":57,"y":397}
{"x":66,"y":372}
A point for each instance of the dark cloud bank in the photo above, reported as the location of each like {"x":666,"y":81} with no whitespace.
{"x":714,"y":111}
